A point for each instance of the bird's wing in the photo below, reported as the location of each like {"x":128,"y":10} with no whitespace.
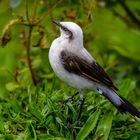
{"x":89,"y":70}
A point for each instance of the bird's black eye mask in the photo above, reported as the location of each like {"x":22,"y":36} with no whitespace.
{"x":68,"y":32}
{"x":64,"y":29}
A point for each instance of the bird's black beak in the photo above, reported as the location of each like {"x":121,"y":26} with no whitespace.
{"x":57,"y":23}
{"x":63,"y":28}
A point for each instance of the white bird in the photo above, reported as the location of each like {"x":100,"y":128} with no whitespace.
{"x":73,"y":64}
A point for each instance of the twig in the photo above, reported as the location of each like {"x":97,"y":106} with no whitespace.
{"x":27,"y":10}
{"x":48,"y":12}
{"x":28,"y":55}
{"x":30,"y":24}
{"x":126,"y":20}
{"x":34,"y":9}
{"x":129,"y":12}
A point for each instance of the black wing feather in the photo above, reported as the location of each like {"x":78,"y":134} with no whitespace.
{"x":79,"y":66}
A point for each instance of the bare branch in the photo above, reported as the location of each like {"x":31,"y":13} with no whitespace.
{"x":28,"y":55}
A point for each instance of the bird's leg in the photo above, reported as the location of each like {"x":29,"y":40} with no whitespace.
{"x":70,"y":98}
{"x":82,"y":99}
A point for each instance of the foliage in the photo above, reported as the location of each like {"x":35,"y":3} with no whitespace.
{"x":31,"y":96}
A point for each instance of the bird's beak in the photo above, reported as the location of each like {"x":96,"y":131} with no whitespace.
{"x":57,"y":23}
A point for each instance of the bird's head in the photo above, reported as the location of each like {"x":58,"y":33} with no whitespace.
{"x":70,"y":30}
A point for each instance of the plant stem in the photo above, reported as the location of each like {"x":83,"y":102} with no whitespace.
{"x":124,"y":18}
{"x":28,"y":56}
{"x":34,"y":10}
{"x":27,"y":10}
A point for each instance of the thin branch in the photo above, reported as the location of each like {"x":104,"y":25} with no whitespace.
{"x":48,"y":12}
{"x":31,"y":25}
{"x":27,"y":10}
{"x":129,"y":12}
{"x":125,"y":19}
{"x":28,"y":55}
{"x":34,"y":9}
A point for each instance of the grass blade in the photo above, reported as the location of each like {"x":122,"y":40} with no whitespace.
{"x":104,"y":127}
{"x":89,"y":126}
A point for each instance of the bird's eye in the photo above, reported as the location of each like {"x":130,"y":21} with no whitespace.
{"x":68,"y":32}
{"x":65,"y":29}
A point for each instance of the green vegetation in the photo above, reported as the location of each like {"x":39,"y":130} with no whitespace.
{"x":31,"y":96}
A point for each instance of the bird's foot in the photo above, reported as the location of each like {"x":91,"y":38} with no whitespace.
{"x":70,"y":98}
{"x":73,"y":125}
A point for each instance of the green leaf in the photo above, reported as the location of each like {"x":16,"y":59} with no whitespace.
{"x":8,"y":137}
{"x":35,"y":112}
{"x":16,"y":106}
{"x":11,"y":86}
{"x":89,"y":125}
{"x":104,"y":127}
{"x":45,"y":137}
{"x":1,"y":126}
{"x":127,"y":86}
{"x":128,"y":47}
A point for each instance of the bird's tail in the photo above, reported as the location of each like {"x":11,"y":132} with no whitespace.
{"x":121,"y":103}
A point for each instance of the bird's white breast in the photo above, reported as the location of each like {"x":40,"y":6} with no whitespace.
{"x":56,"y":63}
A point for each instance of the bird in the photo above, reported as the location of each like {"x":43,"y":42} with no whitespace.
{"x":73,"y":64}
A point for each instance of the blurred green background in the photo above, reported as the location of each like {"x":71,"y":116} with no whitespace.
{"x":111,"y":31}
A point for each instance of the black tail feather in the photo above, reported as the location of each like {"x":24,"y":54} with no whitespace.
{"x":125,"y":105}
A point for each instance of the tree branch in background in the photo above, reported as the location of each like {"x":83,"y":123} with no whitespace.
{"x":34,"y":9}
{"x":31,"y":23}
{"x":124,"y":18}
{"x":28,"y":55}
{"x":130,"y":13}
{"x":28,"y":43}
{"x":27,"y":11}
